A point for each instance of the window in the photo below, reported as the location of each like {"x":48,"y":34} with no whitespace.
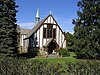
{"x":49,"y":32}
{"x":44,"y":32}
{"x":49,"y":26}
{"x":54,"y":33}
{"x":50,"y":35}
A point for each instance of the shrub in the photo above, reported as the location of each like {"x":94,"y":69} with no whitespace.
{"x":32,"y":53}
{"x":83,"y":68}
{"x":11,"y":66}
{"x":64,"y":52}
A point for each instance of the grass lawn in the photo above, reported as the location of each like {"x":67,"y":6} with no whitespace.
{"x":60,"y":60}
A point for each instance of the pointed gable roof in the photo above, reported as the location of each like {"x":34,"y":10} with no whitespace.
{"x":37,"y":26}
{"x":25,"y":31}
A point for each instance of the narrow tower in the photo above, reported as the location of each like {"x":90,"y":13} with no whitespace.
{"x":37,"y":18}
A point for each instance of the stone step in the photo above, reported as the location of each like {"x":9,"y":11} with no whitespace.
{"x":53,"y":56}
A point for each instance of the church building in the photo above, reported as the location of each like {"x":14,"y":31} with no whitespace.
{"x":46,"y":35}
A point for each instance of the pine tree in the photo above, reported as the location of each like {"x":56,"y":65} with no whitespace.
{"x":69,"y":40}
{"x":8,"y":31}
{"x":87,"y":29}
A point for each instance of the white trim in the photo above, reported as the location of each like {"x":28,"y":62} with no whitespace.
{"x":45,"y":26}
{"x":52,"y":20}
{"x":22,"y":40}
{"x":54,"y":26}
{"x":41,"y":35}
{"x":48,"y":19}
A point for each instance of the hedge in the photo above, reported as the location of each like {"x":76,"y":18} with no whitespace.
{"x":13,"y":66}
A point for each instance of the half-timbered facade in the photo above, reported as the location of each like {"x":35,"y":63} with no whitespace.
{"x":46,"y":35}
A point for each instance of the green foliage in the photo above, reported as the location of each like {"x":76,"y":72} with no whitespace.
{"x":69,"y":40}
{"x":32,"y":53}
{"x":8,"y":32}
{"x":10,"y":66}
{"x":60,"y":60}
{"x":64,"y":52}
{"x":87,"y":29}
{"x":14,"y":66}
{"x":83,"y":68}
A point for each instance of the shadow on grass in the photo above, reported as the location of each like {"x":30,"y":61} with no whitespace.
{"x":25,"y":55}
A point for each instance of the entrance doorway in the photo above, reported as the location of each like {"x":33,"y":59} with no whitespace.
{"x":51,"y":47}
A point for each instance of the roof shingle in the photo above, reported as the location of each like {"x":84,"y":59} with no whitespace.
{"x":25,"y":31}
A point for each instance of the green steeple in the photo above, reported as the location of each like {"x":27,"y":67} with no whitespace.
{"x":37,"y":16}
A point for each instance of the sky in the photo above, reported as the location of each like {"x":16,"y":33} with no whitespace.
{"x":62,"y":10}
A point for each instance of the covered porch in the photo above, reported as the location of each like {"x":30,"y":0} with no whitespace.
{"x":51,"y":46}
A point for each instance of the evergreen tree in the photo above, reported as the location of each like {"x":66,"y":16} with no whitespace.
{"x":69,"y":40}
{"x":8,"y":28}
{"x":87,"y":29}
